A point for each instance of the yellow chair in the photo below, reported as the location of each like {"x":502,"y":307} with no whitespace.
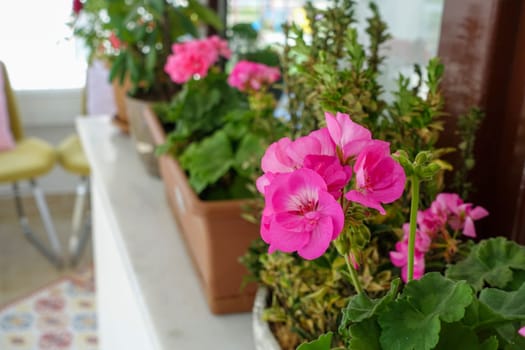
{"x":30,"y":159}
{"x":72,"y":158}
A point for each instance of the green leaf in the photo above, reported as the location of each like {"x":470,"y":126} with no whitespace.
{"x":324,"y":342}
{"x":510,"y":337}
{"x":491,"y":262}
{"x":490,"y":344}
{"x":458,"y":336}
{"x":510,"y":305}
{"x":207,"y":161}
{"x":479,"y":316}
{"x":365,"y":335}
{"x":413,"y":321}
{"x":362,"y":307}
{"x":206,"y":14}
{"x":248,"y":154}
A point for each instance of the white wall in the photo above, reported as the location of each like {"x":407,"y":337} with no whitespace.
{"x":49,"y":107}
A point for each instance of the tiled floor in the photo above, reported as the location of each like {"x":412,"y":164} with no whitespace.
{"x":22,"y":267}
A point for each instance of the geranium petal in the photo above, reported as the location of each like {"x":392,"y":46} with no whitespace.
{"x":365,"y":200}
{"x":468,"y":228}
{"x":320,"y":239}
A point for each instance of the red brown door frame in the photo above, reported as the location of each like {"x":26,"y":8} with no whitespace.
{"x":482,"y":45}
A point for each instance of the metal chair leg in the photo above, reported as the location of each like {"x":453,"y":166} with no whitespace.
{"x":55,"y":254}
{"x":81,"y":231}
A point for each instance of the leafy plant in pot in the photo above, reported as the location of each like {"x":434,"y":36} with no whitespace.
{"x":210,"y":139}
{"x":145,"y":31}
{"x":351,"y":289}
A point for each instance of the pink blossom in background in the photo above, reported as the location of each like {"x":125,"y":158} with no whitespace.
{"x":379,"y":178}
{"x":182,"y":68}
{"x":221,"y":46}
{"x":194,"y":58}
{"x":522,"y":331}
{"x":349,"y":137}
{"x":430,"y":221}
{"x":247,"y":75}
{"x":399,"y":258}
{"x":77,"y":6}
{"x":461,"y":216}
{"x":114,"y":41}
{"x":300,"y":215}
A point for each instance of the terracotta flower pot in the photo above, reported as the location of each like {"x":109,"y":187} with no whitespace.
{"x":141,"y":134}
{"x":215,"y":233}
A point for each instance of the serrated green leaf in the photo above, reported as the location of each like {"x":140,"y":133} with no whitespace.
{"x":510,"y":305}
{"x":365,"y":335}
{"x":406,"y":328}
{"x":362,"y":307}
{"x":324,"y":342}
{"x":208,"y":160}
{"x":413,"y":321}
{"x":491,"y":262}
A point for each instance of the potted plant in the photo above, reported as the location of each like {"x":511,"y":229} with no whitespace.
{"x":337,"y":238}
{"x":210,"y":138}
{"x":140,"y":34}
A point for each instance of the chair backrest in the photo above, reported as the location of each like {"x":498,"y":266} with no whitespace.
{"x":12,"y":107}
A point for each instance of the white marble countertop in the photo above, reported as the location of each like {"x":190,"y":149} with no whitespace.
{"x":157,"y":261}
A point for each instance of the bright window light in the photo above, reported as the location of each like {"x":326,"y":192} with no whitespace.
{"x":37,"y":47}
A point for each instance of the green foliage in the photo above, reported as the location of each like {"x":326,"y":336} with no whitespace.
{"x":468,"y":125}
{"x":437,"y":312}
{"x":216,"y":137}
{"x":493,"y":262}
{"x":422,"y":306}
{"x":322,"y":343}
{"x":146,"y":30}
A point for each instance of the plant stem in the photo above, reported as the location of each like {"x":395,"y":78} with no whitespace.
{"x":414,"y":205}
{"x":353,"y":275}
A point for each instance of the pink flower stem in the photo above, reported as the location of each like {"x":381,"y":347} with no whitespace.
{"x":353,"y":275}
{"x":414,"y":206}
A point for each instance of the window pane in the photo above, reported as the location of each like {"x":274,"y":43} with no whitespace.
{"x":413,"y":24}
{"x":35,"y":47}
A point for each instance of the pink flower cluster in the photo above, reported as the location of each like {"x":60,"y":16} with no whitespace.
{"x":194,"y":58}
{"x":304,"y":180}
{"x":77,"y":6}
{"x":447,"y":210}
{"x":248,"y":75}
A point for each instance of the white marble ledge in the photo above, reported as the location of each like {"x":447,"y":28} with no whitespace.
{"x":153,"y":250}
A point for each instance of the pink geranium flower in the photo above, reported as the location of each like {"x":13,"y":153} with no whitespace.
{"x":431,"y":221}
{"x":379,"y":178}
{"x":251,"y":76}
{"x":114,"y":41}
{"x":461,"y":215}
{"x":194,"y":58}
{"x":77,"y":6}
{"x":333,"y":173}
{"x":300,"y":215}
{"x":522,"y":331}
{"x":349,"y":137}
{"x":399,"y":258}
